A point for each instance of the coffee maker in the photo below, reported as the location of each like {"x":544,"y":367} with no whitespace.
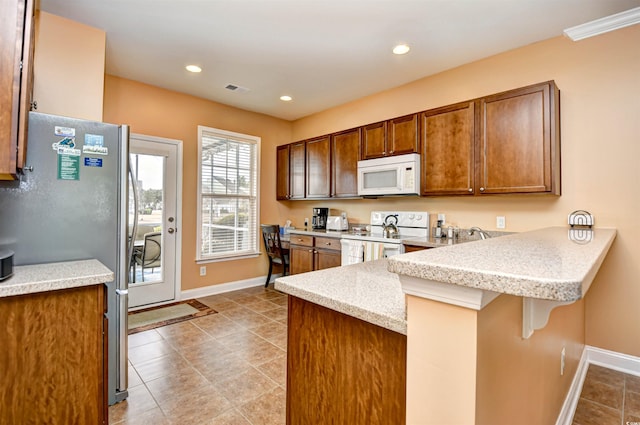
{"x":319,"y":219}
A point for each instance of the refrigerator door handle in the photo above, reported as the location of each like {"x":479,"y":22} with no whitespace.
{"x":122,"y":377}
{"x":134,"y":227}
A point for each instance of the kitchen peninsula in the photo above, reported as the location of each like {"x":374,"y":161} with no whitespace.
{"x":467,"y":358}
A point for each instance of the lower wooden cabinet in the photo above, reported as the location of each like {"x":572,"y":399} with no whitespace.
{"x":343,"y":370}
{"x":308,"y":253}
{"x":52,"y":357}
{"x":413,"y":248}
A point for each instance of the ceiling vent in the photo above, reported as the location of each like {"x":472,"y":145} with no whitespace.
{"x":236,"y":88}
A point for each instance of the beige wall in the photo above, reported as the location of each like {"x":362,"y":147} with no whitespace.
{"x":157,"y":112}
{"x":68,"y":67}
{"x":600,"y":126}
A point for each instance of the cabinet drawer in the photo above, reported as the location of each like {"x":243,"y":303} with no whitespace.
{"x":301,"y":240}
{"x":328,"y":243}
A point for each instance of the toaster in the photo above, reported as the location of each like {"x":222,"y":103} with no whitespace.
{"x":337,"y":222}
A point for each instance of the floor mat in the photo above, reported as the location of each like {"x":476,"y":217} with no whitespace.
{"x":154,"y":317}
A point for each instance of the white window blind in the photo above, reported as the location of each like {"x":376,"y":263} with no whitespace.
{"x":227,"y":194}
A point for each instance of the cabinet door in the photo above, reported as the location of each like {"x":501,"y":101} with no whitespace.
{"x":519,"y":141}
{"x":282,"y":172}
{"x":448,"y":140}
{"x":403,"y":136}
{"x":318,"y":167}
{"x":374,"y":140}
{"x":15,"y":29}
{"x":301,"y":259}
{"x":345,"y":152}
{"x":26,"y":82}
{"x":327,"y":258}
{"x":296,"y":170}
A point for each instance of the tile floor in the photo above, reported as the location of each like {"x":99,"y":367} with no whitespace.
{"x":225,"y":368}
{"x":608,"y":397}
{"x":229,"y":368}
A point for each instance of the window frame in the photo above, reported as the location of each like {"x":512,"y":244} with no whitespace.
{"x":242,"y":138}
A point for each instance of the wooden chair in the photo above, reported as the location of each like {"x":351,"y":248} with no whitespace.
{"x":150,"y":256}
{"x":273,"y":247}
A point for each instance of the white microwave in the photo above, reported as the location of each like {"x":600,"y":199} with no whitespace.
{"x":391,"y":175}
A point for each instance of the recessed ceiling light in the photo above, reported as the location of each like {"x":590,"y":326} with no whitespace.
{"x":401,"y":49}
{"x":193,"y":68}
{"x":286,"y":98}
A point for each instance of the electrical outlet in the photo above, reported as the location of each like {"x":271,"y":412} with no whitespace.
{"x":306,"y":222}
{"x":501,"y":222}
{"x":203,"y":270}
{"x":562,"y":354}
{"x":441,"y":217}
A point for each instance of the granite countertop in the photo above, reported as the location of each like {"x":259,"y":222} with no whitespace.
{"x":54,"y":276}
{"x":319,"y":232}
{"x":431,"y":242}
{"x":543,"y":264}
{"x":367,"y":291}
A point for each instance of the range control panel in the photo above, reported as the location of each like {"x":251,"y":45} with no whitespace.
{"x":419,"y":219}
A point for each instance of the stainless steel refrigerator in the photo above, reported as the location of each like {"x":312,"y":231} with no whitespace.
{"x":71,"y":204}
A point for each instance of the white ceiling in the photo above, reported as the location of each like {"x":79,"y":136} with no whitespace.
{"x":321,"y":52}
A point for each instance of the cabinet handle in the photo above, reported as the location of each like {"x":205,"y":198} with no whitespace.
{"x":482,"y":189}
{"x":328,"y":243}
{"x":311,"y":250}
{"x":470,"y":189}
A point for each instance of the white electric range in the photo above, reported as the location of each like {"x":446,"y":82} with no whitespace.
{"x":359,"y":247}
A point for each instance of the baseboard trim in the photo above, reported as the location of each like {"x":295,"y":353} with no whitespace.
{"x":224,"y":287}
{"x":601,"y":357}
{"x":613,"y":360}
{"x":571,"y":401}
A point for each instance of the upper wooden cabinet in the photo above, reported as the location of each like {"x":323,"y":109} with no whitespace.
{"x":374,"y":140}
{"x":318,"y":167}
{"x":519,"y":141}
{"x":297,"y":161}
{"x":282,"y":172}
{"x":448,"y":160}
{"x":345,"y":153}
{"x":397,"y":136}
{"x":325,"y":167}
{"x":16,"y":78}
{"x":504,"y":143}
{"x":403,"y":136}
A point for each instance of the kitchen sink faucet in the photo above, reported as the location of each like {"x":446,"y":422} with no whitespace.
{"x":483,"y":234}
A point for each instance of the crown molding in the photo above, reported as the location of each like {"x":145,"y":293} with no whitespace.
{"x":602,"y":25}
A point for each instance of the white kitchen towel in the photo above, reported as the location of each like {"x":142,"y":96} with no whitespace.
{"x":373,"y":251}
{"x":356,"y":252}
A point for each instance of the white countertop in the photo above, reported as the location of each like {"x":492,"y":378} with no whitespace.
{"x":543,"y":264}
{"x":366,"y":291}
{"x":54,"y":276}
